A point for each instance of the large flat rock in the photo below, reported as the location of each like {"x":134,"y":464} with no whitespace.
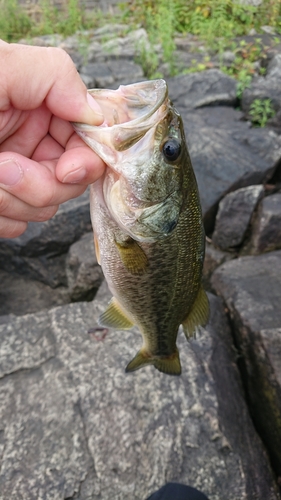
{"x":251,"y":288}
{"x":73,"y":425}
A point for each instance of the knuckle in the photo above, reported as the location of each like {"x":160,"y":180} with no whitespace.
{"x":45,"y":213}
{"x":4,"y":202}
{"x":62,"y":59}
{"x":44,"y":200}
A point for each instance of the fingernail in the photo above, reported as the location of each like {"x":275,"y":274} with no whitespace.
{"x":76,"y":176}
{"x":94,"y":105}
{"x":10,"y":172}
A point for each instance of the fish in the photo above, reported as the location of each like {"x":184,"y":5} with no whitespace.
{"x":147,"y":221}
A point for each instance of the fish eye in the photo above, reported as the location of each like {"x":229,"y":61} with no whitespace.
{"x":171,"y":149}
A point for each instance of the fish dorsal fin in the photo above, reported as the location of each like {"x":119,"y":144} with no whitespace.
{"x":132,"y":256}
{"x":198,"y":315}
{"x":169,"y":365}
{"x":115,"y":317}
{"x":97,"y":249}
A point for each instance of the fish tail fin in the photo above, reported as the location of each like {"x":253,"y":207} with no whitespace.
{"x":169,"y":365}
{"x":198,"y":315}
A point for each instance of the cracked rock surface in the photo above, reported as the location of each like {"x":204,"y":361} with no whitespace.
{"x":74,"y":425}
{"x":251,"y":288}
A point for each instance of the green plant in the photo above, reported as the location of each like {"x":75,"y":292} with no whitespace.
{"x":244,"y":80}
{"x":261,"y":111}
{"x":148,"y":59}
{"x":158,"y":18}
{"x":14,"y":22}
{"x":66,"y":22}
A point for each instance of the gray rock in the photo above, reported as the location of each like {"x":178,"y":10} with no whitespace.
{"x":109,"y":30}
{"x":94,"y":52}
{"x":251,"y":288}
{"x":228,"y":57}
{"x":213,"y":259}
{"x":77,"y":58}
{"x":108,"y":74}
{"x":20,"y":295}
{"x":227,"y":154}
{"x":268,"y":29}
{"x":266,"y":230}
{"x":205,"y":88}
{"x":100,"y":75}
{"x":127,"y":47}
{"x":234,"y":215}
{"x":84,"y":275}
{"x":126,"y":72}
{"x":274,"y":67}
{"x":52,"y":40}
{"x":38,"y":251}
{"x":255,"y":3}
{"x":74,"y":425}
{"x":263,"y":88}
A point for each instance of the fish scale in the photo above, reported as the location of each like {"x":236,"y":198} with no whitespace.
{"x":150,"y":247}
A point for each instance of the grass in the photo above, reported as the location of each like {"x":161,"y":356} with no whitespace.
{"x":16,"y":23}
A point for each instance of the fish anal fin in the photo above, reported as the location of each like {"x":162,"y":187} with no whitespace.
{"x":132,"y":255}
{"x":97,"y":249}
{"x":169,"y":364}
{"x":115,"y":317}
{"x":198,"y":315}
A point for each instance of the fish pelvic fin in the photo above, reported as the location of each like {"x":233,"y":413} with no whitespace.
{"x":198,"y":315}
{"x":169,"y":364}
{"x":132,"y":256}
{"x":115,"y":317}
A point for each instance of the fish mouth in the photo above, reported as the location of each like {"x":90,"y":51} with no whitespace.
{"x":136,"y":120}
{"x":129,"y":113}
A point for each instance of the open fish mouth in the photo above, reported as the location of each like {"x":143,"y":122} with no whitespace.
{"x":129,"y":113}
{"x":141,"y":188}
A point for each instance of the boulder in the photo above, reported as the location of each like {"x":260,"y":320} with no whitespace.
{"x":205,"y":88}
{"x":234,"y":215}
{"x":251,"y":289}
{"x":266,"y":228}
{"x":214,"y":257}
{"x":75,"y":426}
{"x":21,"y":295}
{"x":267,"y":87}
{"x":84,"y":274}
{"x":111,"y":74}
{"x":97,"y":75}
{"x":39,"y":252}
{"x":227,"y":154}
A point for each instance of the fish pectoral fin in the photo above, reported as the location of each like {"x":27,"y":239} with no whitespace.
{"x":97,"y":249}
{"x":132,"y":256}
{"x":169,"y":364}
{"x":115,"y":317}
{"x":198,"y":315}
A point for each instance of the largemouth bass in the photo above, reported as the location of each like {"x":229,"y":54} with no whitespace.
{"x":147,"y":221}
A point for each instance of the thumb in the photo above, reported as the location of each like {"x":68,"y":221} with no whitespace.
{"x":32,"y":75}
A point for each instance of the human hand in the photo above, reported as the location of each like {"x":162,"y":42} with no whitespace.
{"x":42,"y":160}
